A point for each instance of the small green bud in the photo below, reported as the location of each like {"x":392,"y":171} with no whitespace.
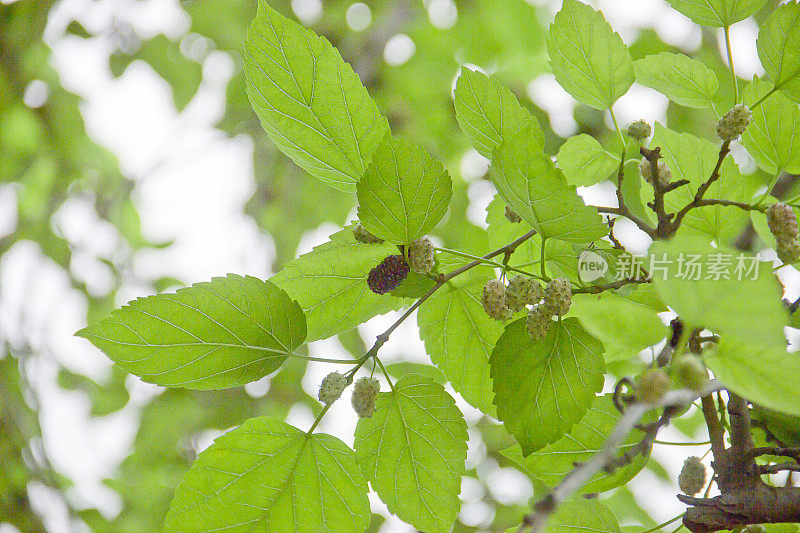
{"x":692,"y":477}
{"x":639,"y":130}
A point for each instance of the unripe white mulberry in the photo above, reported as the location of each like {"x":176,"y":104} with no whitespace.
{"x":421,"y":255}
{"x":639,"y":130}
{"x":646,"y":170}
{"x":494,"y":302}
{"x":690,"y":372}
{"x":558,"y":297}
{"x":734,"y":122}
{"x":365,"y":237}
{"x":538,"y":322}
{"x":365,"y":391}
{"x":788,"y":251}
{"x":692,"y":478}
{"x":522,"y":291}
{"x":782,"y":221}
{"x":512,"y":216}
{"x":651,"y":385}
{"x":331,"y":387}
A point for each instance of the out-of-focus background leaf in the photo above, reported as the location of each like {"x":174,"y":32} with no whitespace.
{"x":71,"y":196}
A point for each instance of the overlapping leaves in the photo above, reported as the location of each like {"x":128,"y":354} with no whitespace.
{"x":533,"y":187}
{"x":269,"y":476}
{"x":413,"y":450}
{"x":542,"y":388}
{"x":309,"y":100}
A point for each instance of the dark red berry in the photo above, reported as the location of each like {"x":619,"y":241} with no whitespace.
{"x":388,"y":274}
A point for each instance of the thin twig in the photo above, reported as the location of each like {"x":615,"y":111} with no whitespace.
{"x":586,"y":471}
{"x":724,"y":150}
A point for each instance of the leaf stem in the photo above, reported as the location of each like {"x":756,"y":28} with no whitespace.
{"x":681,"y":443}
{"x":385,"y":373}
{"x":760,"y":100}
{"x":543,"y":260}
{"x":323,"y":359}
{"x":730,"y":65}
{"x":318,"y":419}
{"x":616,"y":127}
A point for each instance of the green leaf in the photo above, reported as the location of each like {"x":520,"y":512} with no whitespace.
{"x":309,"y":100}
{"x":683,"y":79}
{"x":625,"y":322}
{"x":330,"y":284}
{"x":553,"y":462}
{"x":413,"y":450}
{"x":212,"y":335}
{"x":580,"y":516}
{"x":404,"y":368}
{"x":691,"y":158}
{"x":588,"y":57}
{"x":778,"y":47}
{"x":459,"y":337}
{"x":538,"y":191}
{"x":488,"y":112}
{"x":584,"y":162}
{"x":773,"y":136}
{"x":717,"y":12}
{"x":750,"y":310}
{"x":542,"y":388}
{"x":269,"y":476}
{"x":764,"y":374}
{"x":404,"y":192}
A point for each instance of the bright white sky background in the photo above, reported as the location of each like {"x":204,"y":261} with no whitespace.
{"x":191,"y":184}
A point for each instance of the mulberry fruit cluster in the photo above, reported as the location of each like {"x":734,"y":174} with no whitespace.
{"x":493,"y":299}
{"x":651,"y":385}
{"x":421,"y":255}
{"x":783,"y":224}
{"x":522,"y":291}
{"x":646,"y":170}
{"x":332,"y":387}
{"x":365,"y":237}
{"x":734,"y":122}
{"x":557,"y":301}
{"x":639,"y":130}
{"x":558,"y":297}
{"x":512,"y":216}
{"x":692,"y":477}
{"x":388,"y":275}
{"x":538,"y":322}
{"x":365,"y":391}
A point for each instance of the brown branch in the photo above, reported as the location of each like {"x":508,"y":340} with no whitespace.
{"x":745,"y":498}
{"x":583,"y":473}
{"x":778,"y":467}
{"x":715,"y":432}
{"x":794,"y":453}
{"x":670,"y":229}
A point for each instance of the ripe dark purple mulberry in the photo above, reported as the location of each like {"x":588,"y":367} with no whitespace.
{"x":388,"y":274}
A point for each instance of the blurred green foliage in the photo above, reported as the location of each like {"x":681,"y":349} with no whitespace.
{"x":47,"y":157}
